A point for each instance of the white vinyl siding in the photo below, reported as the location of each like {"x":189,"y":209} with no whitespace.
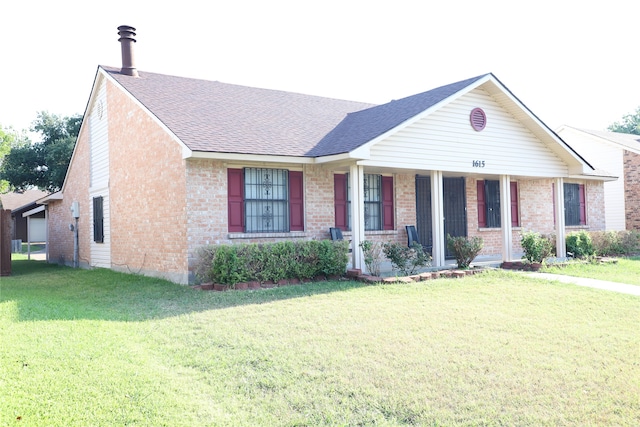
{"x":445,"y":140}
{"x":99,"y":176}
{"x":99,"y":141}
{"x":607,"y":156}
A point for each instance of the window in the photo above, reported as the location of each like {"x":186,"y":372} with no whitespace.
{"x":574,"y":205}
{"x":489,"y":204}
{"x":265,"y":200}
{"x":377,"y":198}
{"x":98,"y":220}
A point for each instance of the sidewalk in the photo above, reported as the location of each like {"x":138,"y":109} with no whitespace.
{"x":591,"y":283}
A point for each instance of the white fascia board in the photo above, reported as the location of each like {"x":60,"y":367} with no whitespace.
{"x":354,"y":155}
{"x":250,"y":157}
{"x":185,"y":150}
{"x":594,"y":177}
{"x":33,"y":211}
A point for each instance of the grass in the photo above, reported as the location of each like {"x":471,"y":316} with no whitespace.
{"x":626,"y":270}
{"x":34,"y":247}
{"x":102,"y":348}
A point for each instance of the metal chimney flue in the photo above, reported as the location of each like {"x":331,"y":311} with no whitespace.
{"x":127,"y":34}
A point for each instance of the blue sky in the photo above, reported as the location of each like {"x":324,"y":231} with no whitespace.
{"x":570,"y":65}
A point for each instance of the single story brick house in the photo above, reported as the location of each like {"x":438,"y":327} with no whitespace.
{"x":618,"y":153}
{"x":164,"y":165}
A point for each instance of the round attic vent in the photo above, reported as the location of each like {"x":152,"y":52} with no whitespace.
{"x":478,"y":119}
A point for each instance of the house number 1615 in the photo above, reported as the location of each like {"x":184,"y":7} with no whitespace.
{"x":478,"y":163}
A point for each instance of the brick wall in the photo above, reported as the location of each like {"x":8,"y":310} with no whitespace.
{"x":632,"y":190}
{"x":148,"y":193}
{"x":536,"y":212}
{"x":59,"y":214}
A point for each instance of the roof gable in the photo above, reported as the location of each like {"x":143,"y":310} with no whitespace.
{"x":363,"y":126}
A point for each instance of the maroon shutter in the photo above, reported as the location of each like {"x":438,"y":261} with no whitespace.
{"x":482,"y":205}
{"x":235,"y":198}
{"x":340,"y":200}
{"x":387,"y":203}
{"x":514,"y":204}
{"x":296,"y":201}
{"x":583,"y":210}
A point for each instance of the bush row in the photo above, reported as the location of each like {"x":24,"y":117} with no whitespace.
{"x":581,"y":244}
{"x":231,"y":264}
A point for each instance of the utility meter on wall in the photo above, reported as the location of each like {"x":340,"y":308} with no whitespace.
{"x":75,"y":210}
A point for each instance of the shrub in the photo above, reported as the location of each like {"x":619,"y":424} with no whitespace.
{"x":227,"y":267}
{"x":630,"y":242}
{"x":406,"y":259}
{"x":231,"y":264}
{"x":333,"y":257}
{"x":372,"y":256}
{"x":607,"y":243}
{"x":536,"y":247}
{"x":465,"y":250}
{"x":579,"y":244}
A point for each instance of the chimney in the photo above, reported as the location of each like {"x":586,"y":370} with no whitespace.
{"x":127,"y":40}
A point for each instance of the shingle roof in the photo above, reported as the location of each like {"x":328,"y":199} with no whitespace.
{"x":219,"y":117}
{"x":16,"y":200}
{"x":627,"y":140}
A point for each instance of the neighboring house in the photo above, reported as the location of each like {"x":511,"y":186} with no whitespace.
{"x":618,"y":153}
{"x":22,"y":226}
{"x":164,"y":165}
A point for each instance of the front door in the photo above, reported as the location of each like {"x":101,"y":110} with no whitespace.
{"x":454,"y":206}
{"x":455,"y":209}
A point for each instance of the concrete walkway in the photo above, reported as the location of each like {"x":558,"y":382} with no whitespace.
{"x":591,"y":283}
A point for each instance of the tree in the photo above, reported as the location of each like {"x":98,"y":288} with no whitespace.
{"x":8,"y":138}
{"x":630,"y":124}
{"x":42,"y":164}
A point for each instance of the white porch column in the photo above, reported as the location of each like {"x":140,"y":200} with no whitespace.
{"x":505,"y":217}
{"x":356,"y":178}
{"x":561,"y":246}
{"x":437,"y":220}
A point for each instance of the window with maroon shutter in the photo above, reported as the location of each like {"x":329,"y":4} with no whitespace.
{"x":489,"y":215}
{"x":515,"y":217}
{"x":583,"y":205}
{"x":377,"y":197}
{"x":575,"y":207}
{"x":262,"y":200}
{"x":340,"y":201}
{"x":296,"y":201}
{"x":235,"y":199}
{"x":387,"y":203}
{"x":482,"y":206}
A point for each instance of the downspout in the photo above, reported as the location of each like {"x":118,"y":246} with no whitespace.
{"x":76,"y":248}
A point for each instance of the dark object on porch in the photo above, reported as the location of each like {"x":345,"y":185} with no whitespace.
{"x":336,"y":234}
{"x":412,"y":235}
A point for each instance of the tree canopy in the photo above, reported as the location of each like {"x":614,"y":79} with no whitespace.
{"x":41,"y":164}
{"x":630,"y":123}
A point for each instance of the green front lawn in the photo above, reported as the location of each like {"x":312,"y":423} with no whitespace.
{"x":99,"y":348}
{"x":626,"y":270}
